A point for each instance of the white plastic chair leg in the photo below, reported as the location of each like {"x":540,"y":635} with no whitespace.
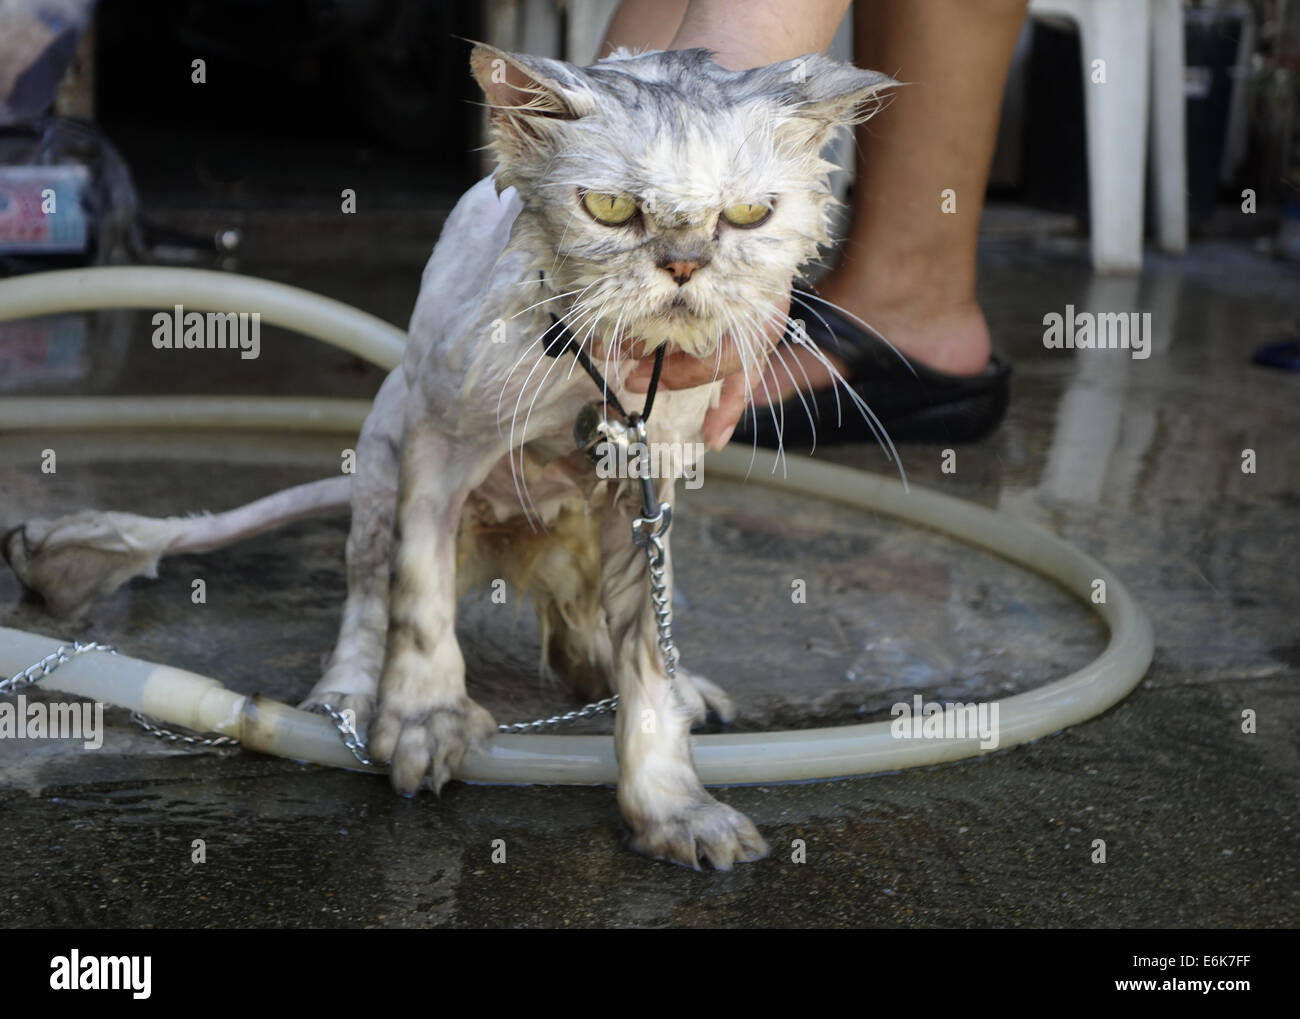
{"x":1118,"y":33}
{"x":1168,"y":124}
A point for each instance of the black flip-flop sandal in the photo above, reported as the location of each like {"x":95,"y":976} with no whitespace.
{"x":912,"y":401}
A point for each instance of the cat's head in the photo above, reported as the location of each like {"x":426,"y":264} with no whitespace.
{"x":676,"y":200}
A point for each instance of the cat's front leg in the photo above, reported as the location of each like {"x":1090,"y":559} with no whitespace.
{"x":671,"y":815}
{"x":426,"y":722}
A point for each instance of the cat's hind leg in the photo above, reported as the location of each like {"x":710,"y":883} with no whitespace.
{"x":563,"y":577}
{"x":711,"y":696}
{"x":350,"y":681}
{"x":580,"y":652}
{"x":73,"y":559}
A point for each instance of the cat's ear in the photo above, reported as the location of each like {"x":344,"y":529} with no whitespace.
{"x":824,"y":94}
{"x":526,"y":95}
{"x":838,"y":93}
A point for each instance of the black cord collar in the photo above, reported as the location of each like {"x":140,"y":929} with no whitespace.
{"x":558,"y":340}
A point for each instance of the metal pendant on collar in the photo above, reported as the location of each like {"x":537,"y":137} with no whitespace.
{"x":592,"y":428}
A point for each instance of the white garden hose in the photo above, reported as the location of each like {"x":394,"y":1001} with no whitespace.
{"x":196,"y":702}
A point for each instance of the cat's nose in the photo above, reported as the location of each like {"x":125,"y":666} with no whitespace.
{"x":680,"y":269}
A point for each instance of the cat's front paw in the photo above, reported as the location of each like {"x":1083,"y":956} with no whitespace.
{"x":424,"y":747}
{"x":698,"y":830}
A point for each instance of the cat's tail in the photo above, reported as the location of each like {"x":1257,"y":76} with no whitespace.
{"x":72,"y":560}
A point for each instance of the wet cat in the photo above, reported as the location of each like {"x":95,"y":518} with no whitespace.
{"x":651,"y":197}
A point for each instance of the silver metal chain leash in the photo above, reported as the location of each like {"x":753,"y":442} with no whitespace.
{"x":648,"y":532}
{"x":63,"y":654}
{"x":347,"y":732}
{"x":591,"y":710}
{"x":33,"y":674}
{"x":357,"y":746}
{"x":190,"y":739}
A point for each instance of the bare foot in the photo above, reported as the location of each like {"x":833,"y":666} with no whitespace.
{"x":946,"y":335}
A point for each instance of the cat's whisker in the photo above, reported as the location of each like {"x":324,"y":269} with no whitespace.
{"x":510,"y":374}
{"x":806,"y":379}
{"x":801,"y":339}
{"x":877,"y":429}
{"x":517,"y":475}
{"x":755,"y":339}
{"x":584,"y":314}
{"x":745,"y":337}
{"x":590,"y":336}
{"x":812,"y":425}
{"x":612,"y":344}
{"x":558,"y":260}
{"x":617,"y":345}
{"x":744,"y":352}
{"x":575,"y":309}
{"x":717,"y":358}
{"x":592,"y":322}
{"x":515,"y":367}
{"x":865,"y":325}
{"x":567,"y":293}
{"x":839,"y":409}
{"x":776,"y":407}
{"x":505,"y":384}
{"x":750,"y":394}
{"x":523,"y":432}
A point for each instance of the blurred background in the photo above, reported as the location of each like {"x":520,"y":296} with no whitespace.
{"x":303,"y":98}
{"x":303,"y":94}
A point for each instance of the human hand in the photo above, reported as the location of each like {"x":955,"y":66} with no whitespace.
{"x":682,"y":371}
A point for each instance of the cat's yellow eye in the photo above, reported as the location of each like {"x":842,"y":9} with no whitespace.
{"x":746,"y":214}
{"x":612,"y":210}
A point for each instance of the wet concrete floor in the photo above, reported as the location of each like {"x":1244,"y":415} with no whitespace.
{"x":1138,"y":462}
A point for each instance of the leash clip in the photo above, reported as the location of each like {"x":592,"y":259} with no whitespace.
{"x":648,"y":530}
